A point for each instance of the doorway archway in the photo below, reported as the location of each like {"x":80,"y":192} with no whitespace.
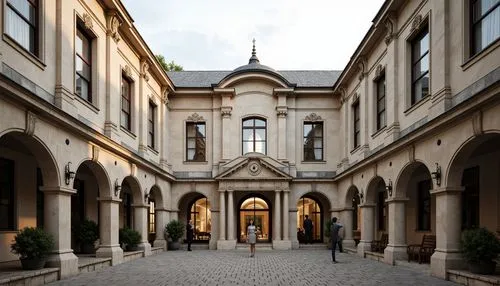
{"x":257,"y":208}
{"x":312,"y":208}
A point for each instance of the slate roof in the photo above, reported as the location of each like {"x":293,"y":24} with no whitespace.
{"x":303,"y":78}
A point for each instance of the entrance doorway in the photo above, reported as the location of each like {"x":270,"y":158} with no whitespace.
{"x":310,"y":207}
{"x":255,"y":208}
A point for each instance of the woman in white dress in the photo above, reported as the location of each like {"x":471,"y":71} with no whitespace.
{"x":251,"y":237}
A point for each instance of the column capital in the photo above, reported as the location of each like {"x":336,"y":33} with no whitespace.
{"x":452,"y":190}
{"x":109,"y":199}
{"x":139,"y":206}
{"x":293,"y":210}
{"x":286,"y":191}
{"x":367,"y":205}
{"x":229,"y":191}
{"x":397,"y":200}
{"x":161,"y":209}
{"x":222,"y":191}
{"x":58,"y":190}
{"x":277,"y":191}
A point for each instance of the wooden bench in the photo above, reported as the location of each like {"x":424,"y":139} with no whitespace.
{"x":422,"y":252}
{"x":379,"y":245}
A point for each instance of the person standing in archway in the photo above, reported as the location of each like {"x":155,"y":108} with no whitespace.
{"x":334,"y":235}
{"x":308,"y":229}
{"x":251,"y":237}
{"x":189,"y":233}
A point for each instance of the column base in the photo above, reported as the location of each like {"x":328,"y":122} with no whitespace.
{"x":212,"y":244}
{"x":226,"y":244}
{"x":349,"y":243}
{"x":113,"y":251}
{"x":442,"y":261}
{"x":364,"y":246}
{"x":160,"y":243}
{"x":282,"y":244}
{"x":295,"y":244}
{"x":66,"y":261}
{"x":146,"y":247}
{"x":395,"y":252}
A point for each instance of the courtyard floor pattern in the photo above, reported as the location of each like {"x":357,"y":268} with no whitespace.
{"x":296,"y":267}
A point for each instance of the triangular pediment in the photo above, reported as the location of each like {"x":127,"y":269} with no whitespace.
{"x":253,"y":167}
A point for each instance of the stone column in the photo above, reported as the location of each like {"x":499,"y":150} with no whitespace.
{"x":448,"y":229}
{"x":164,"y":135}
{"x":230,"y":215}
{"x":286,"y":233}
{"x":277,"y":217}
{"x":57,"y":221}
{"x":367,"y":228}
{"x":222,"y":215}
{"x":226,"y":129}
{"x":282,"y":139}
{"x":396,"y":248}
{"x":161,"y":221}
{"x":391,"y":82}
{"x":109,"y":227}
{"x":293,"y":228}
{"x":347,"y":221}
{"x":141,"y":225}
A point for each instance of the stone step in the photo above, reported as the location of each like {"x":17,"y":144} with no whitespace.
{"x":258,"y":246}
{"x":314,"y":246}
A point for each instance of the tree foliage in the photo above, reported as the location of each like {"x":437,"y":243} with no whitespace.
{"x":171,"y":66}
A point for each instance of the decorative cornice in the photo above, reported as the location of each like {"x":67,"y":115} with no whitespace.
{"x":95,"y":153}
{"x":313,"y":117}
{"x":281,"y":111}
{"x":195,"y":117}
{"x":477,"y":123}
{"x":417,"y":21}
{"x":87,"y":21}
{"x":361,"y":66}
{"x":114,"y":23}
{"x":128,"y":71}
{"x":145,"y":70}
{"x":226,"y":111}
{"x":30,"y":123}
{"x":390,"y":24}
{"x":379,"y":71}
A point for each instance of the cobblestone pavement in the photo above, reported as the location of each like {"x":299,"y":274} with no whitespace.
{"x":297,"y":267}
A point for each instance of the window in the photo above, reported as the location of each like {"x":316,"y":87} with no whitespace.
{"x":485,"y":23}
{"x":152,"y":217}
{"x":7,"y":210}
{"x":126,"y":113}
{"x":21,"y":23}
{"x":381,"y":118}
{"x":83,"y":63}
{"x":313,"y":141}
{"x":195,"y":143}
{"x":424,"y":205}
{"x":420,"y":66}
{"x":254,"y":135}
{"x":151,"y":124}
{"x":356,"y":126}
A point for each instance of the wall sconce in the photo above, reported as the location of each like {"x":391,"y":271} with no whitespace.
{"x":146,"y":196}
{"x":388,"y":188}
{"x":118,"y":187}
{"x":360,"y":194}
{"x":436,"y":175}
{"x":68,"y":174}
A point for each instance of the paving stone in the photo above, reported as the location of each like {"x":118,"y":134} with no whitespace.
{"x":297,"y":267}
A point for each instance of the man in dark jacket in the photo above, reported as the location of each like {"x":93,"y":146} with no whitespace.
{"x":334,"y":235}
{"x":189,"y":233}
{"x":308,"y":228}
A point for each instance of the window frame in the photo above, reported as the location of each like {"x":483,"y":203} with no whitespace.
{"x":128,"y":112}
{"x":305,"y":136}
{"x":35,"y":26}
{"x":356,"y":116}
{"x":253,"y":128}
{"x":80,"y":28}
{"x":196,"y":137}
{"x":472,"y":40}
{"x":414,"y":42}
{"x":378,"y":98}
{"x":151,"y":125}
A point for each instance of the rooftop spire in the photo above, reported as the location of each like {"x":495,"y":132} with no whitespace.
{"x":254,"y":58}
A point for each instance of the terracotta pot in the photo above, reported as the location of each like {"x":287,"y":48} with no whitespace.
{"x":33,"y":263}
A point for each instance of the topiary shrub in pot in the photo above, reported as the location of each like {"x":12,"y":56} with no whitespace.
{"x":174,"y":231}
{"x":129,"y":238}
{"x":479,"y":248}
{"x":86,"y":233}
{"x":32,"y":245}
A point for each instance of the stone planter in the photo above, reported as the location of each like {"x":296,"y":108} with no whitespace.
{"x":174,"y":245}
{"x":87,"y":248}
{"x":482,"y":267}
{"x":131,"y":248}
{"x":33,"y":263}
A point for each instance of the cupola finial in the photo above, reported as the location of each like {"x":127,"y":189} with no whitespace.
{"x":254,"y":58}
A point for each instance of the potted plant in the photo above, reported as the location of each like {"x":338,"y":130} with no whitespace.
{"x":328,"y":228}
{"x":174,"y":231}
{"x":32,"y":245}
{"x":480,"y":247}
{"x":86,"y":233}
{"x":130,"y":238}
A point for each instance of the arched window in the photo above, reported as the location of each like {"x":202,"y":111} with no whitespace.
{"x":254,"y":135}
{"x":201,"y":215}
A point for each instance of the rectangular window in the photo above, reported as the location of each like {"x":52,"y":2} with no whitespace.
{"x":126,"y":113}
{"x":151,"y":125}
{"x":424,"y":205}
{"x":356,"y":125}
{"x":152,"y":217}
{"x":83,"y":64}
{"x":420,"y":66}
{"x":381,"y":118}
{"x":485,"y":23}
{"x":21,"y":19}
{"x":313,"y":141}
{"x":7,"y":210}
{"x":195,"y":142}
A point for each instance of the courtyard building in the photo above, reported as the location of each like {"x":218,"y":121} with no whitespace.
{"x":403,"y":142}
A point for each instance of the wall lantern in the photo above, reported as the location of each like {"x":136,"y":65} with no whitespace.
{"x":388,"y":187}
{"x":68,"y":174}
{"x":146,"y":196}
{"x":436,"y":175}
{"x":360,"y":194}
{"x":118,"y":187}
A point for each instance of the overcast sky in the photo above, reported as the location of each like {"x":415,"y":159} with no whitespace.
{"x":290,"y":34}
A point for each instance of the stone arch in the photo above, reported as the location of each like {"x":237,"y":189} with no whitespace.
{"x":101,"y":175}
{"x":135,"y":189}
{"x":406,"y":174}
{"x":156,"y":194}
{"x":320,"y":213}
{"x":33,"y":145}
{"x":351,"y":194}
{"x":375,"y":185}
